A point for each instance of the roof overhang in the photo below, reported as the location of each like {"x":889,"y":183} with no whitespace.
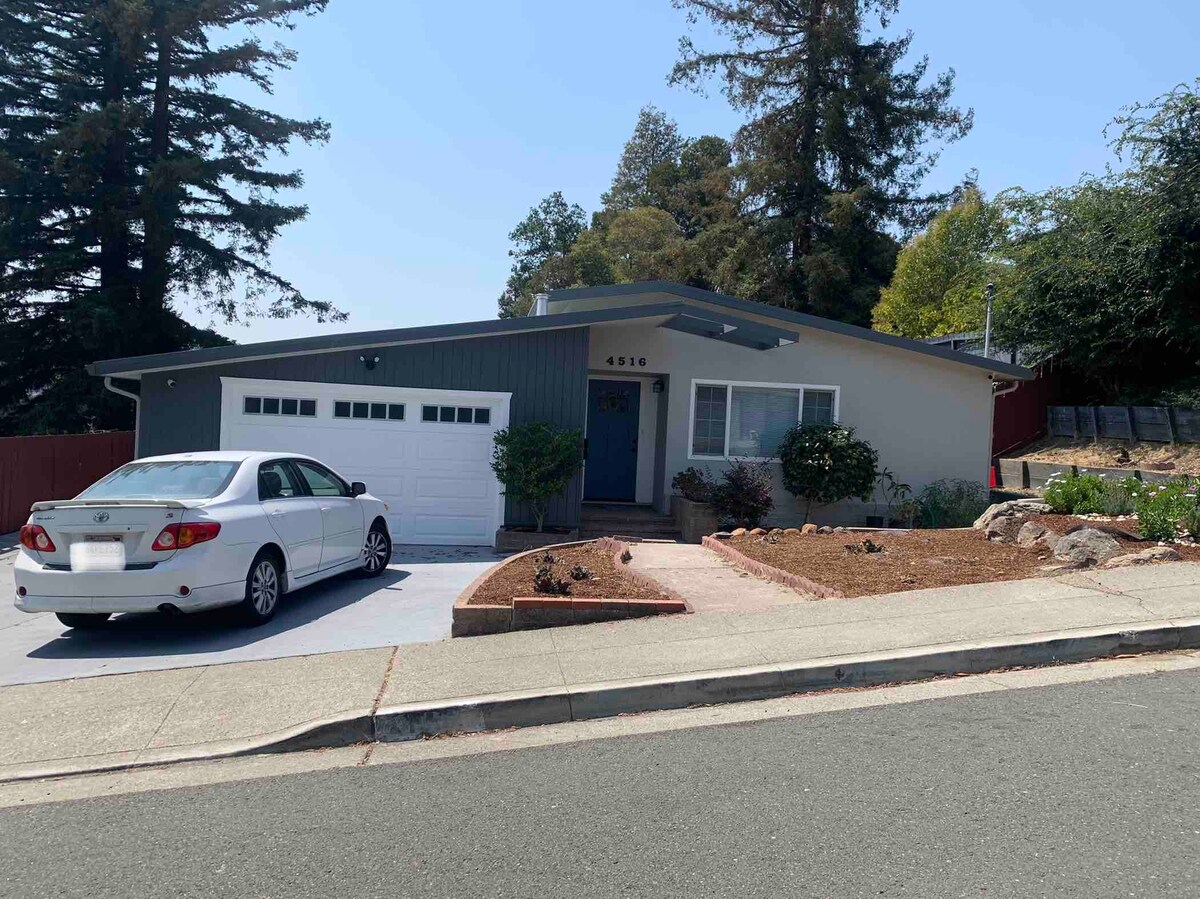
{"x":667,"y":291}
{"x":136,"y":366}
{"x":730,"y":329}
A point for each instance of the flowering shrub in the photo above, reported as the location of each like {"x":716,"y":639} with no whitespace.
{"x":743,"y":495}
{"x":1160,"y":507}
{"x":695,"y":484}
{"x":1075,"y":494}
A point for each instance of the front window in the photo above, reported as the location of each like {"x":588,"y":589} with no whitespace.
{"x":736,"y":420}
{"x":164,"y":480}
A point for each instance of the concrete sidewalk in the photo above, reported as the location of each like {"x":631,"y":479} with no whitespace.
{"x":588,"y":671}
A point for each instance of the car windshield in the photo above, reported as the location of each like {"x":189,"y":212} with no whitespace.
{"x":164,"y":480}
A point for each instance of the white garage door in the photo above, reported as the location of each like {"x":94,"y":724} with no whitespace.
{"x":426,"y":453}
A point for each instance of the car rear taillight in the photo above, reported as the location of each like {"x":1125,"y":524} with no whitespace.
{"x":34,"y":536}
{"x":181,"y":536}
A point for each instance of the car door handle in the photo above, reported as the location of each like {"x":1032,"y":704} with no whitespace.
{"x":276,"y":514}
{"x":326,"y":508}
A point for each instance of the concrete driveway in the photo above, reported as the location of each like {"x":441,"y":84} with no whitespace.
{"x":409,"y":603}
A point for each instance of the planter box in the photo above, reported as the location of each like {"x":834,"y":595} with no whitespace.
{"x":1013,"y":473}
{"x":528,"y":612}
{"x":695,"y":520}
{"x":514,"y":541}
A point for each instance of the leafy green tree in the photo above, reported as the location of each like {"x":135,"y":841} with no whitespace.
{"x":941,"y":275}
{"x":535,"y":462}
{"x":655,"y":141}
{"x":825,"y":464}
{"x":541,"y":241}
{"x":836,"y":145}
{"x":1107,"y":272}
{"x":129,"y":182}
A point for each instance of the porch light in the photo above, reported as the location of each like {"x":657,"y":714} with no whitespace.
{"x":658,"y":385}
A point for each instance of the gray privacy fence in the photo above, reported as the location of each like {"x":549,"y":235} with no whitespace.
{"x":1164,"y":424}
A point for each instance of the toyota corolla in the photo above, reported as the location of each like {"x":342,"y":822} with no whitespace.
{"x":194,"y":531}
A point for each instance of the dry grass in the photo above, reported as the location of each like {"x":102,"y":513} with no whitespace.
{"x":1103,"y":454}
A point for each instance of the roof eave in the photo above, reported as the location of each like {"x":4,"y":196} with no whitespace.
{"x":1008,"y":370}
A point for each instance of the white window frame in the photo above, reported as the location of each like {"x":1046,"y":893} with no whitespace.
{"x":729,"y":386}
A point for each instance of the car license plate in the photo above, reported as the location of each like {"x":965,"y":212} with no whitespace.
{"x":98,"y":552}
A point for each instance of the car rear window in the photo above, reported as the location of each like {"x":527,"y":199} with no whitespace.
{"x":164,"y":480}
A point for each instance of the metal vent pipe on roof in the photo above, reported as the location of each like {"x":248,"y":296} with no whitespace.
{"x":541,"y":304}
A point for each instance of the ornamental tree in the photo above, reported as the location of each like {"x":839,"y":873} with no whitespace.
{"x":824,"y":464}
{"x":535,"y":461}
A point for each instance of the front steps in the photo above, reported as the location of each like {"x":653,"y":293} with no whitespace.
{"x":626,"y":520}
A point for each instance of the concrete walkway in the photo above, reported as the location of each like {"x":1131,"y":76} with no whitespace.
{"x":158,"y":716}
{"x":707,"y":581}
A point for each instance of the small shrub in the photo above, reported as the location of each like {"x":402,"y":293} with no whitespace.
{"x":696,"y":484}
{"x":626,"y":557}
{"x":951,"y":503}
{"x":1160,"y":507}
{"x":581,"y":573}
{"x":1191,"y":517}
{"x":1075,"y":494}
{"x":743,"y":495}
{"x":544,"y":579}
{"x":1118,"y":496}
{"x":825,"y":464}
{"x":535,"y":461}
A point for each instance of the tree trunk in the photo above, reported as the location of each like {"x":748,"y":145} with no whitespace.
{"x":112,"y":208}
{"x":159,"y":201}
{"x":807,"y":195}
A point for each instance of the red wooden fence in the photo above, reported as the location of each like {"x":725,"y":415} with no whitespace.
{"x":1019,"y":415}
{"x":55,"y":467}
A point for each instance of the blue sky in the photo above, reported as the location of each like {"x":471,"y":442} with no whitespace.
{"x":451,"y":119}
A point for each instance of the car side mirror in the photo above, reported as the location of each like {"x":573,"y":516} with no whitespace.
{"x":358,"y":488}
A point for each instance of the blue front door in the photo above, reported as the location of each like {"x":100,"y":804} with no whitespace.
{"x":610,"y":472}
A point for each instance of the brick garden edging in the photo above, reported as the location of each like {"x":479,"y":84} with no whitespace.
{"x":527,"y":612}
{"x":797,"y":582}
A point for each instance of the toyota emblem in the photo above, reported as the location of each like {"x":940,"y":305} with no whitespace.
{"x":100,"y":517}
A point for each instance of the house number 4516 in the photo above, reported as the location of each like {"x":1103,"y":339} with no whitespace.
{"x":639,"y":361}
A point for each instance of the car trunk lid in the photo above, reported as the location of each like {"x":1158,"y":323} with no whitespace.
{"x":106,"y":535}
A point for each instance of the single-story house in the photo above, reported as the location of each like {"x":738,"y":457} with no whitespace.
{"x":658,"y":377}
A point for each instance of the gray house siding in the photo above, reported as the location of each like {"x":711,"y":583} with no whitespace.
{"x":546,"y":372}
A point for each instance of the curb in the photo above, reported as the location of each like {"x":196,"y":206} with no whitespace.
{"x":476,"y":714}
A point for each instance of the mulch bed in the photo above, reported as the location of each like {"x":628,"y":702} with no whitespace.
{"x":919,"y":559}
{"x":607,"y":581}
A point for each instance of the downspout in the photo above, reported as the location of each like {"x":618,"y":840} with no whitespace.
{"x":137,"y":409}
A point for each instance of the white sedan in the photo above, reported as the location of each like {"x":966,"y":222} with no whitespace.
{"x":194,"y":531}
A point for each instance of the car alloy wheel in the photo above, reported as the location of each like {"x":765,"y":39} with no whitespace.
{"x":375,"y":551}
{"x":264,"y":587}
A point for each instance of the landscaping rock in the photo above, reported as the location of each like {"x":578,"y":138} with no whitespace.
{"x":824,"y":529}
{"x":808,"y":529}
{"x":1030,"y":533}
{"x":1086,"y":546}
{"x":839,"y":530}
{"x":738,"y":532}
{"x":1062,"y":567}
{"x":792,"y":532}
{"x":758,"y":532}
{"x":1027,"y":506}
{"x":1145,"y":557}
{"x":1004,"y":528}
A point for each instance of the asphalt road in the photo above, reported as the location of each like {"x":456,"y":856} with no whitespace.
{"x":408,"y":603}
{"x":1086,"y":790}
